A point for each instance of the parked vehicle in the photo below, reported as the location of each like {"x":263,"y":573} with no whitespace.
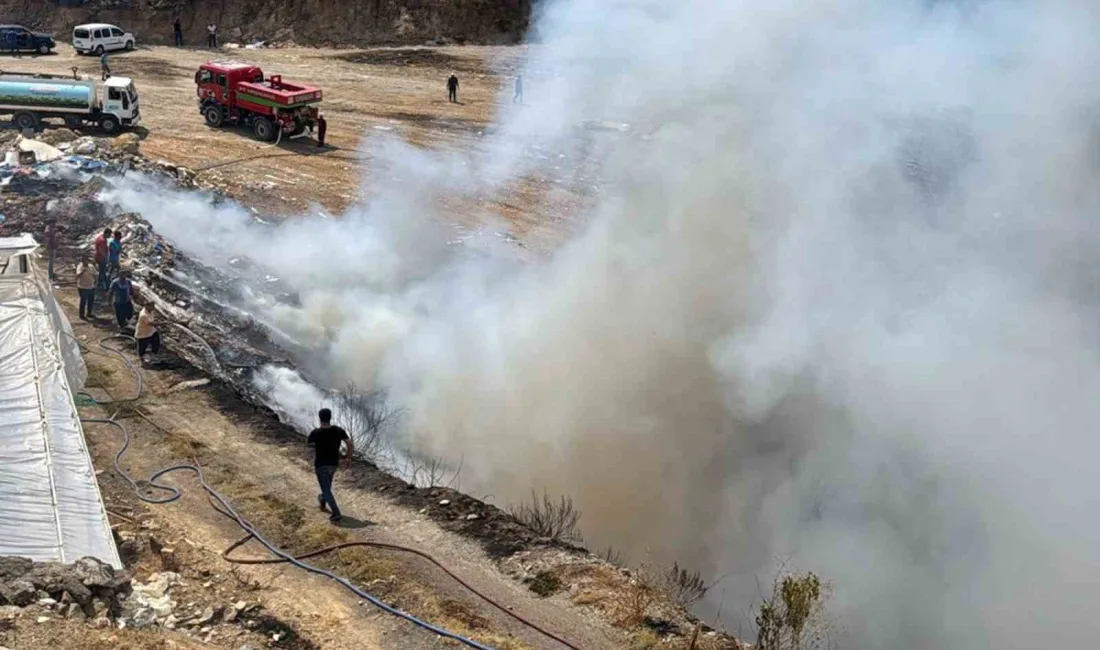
{"x":16,"y":38}
{"x":237,"y":93}
{"x":29,"y":98}
{"x":99,"y":38}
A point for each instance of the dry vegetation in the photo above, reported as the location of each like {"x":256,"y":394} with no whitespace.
{"x":556,"y":520}
{"x":793,"y":617}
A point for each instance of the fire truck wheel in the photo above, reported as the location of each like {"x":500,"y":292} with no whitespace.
{"x":25,"y":120}
{"x":264,"y":129}
{"x":213,"y":115}
{"x":109,"y":124}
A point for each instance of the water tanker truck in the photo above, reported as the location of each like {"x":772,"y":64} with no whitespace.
{"x":237,"y":93}
{"x":30,"y":97}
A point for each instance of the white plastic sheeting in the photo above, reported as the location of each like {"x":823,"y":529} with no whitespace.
{"x":50,"y":505}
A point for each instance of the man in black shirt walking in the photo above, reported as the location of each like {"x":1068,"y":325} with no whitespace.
{"x":326,"y":443}
{"x":452,"y":88}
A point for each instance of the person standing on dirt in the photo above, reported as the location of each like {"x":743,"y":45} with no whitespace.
{"x":148,"y":338}
{"x":517,"y":98}
{"x":212,"y":35}
{"x":85,"y":286}
{"x":105,"y":65}
{"x":114,"y":252}
{"x":177,"y":30}
{"x":326,"y":444}
{"x":322,"y":127}
{"x":101,"y":257}
{"x":123,"y":292}
{"x":51,"y":246}
{"x":452,"y":89}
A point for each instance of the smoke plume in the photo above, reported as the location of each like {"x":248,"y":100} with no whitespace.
{"x":834,"y":299}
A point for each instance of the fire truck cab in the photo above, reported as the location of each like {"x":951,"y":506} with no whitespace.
{"x":230,"y":92}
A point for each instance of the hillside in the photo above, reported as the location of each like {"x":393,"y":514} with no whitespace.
{"x":308,"y":22}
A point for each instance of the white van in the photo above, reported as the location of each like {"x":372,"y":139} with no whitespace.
{"x":99,"y":38}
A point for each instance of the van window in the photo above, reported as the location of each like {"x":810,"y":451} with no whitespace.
{"x":99,"y":33}
{"x":80,"y":33}
{"x":115,"y":31}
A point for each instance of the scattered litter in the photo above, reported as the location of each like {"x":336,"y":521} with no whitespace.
{"x":445,"y":502}
{"x":42,"y":152}
{"x":85,"y":164}
{"x":382,"y":127}
{"x":184,"y":385}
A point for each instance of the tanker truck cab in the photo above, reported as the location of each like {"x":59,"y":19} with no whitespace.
{"x":120,"y":99}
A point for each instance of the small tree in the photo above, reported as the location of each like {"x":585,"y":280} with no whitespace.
{"x":684,"y":587}
{"x":364,"y":415}
{"x":793,"y":616}
{"x":556,"y":520}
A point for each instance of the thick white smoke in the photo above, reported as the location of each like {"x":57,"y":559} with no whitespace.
{"x":835,"y":299}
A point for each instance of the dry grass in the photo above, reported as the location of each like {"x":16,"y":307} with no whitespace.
{"x":644,"y":640}
{"x":555,"y":520}
{"x":456,"y":617}
{"x":458,"y":611}
{"x":184,"y":446}
{"x":632,"y":602}
{"x":588,"y":597}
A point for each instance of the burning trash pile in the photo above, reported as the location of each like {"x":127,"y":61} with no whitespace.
{"x":199,"y":322}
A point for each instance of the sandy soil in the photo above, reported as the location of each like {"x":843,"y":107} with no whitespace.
{"x":367,"y":92}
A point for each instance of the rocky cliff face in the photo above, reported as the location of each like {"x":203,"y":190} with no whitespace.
{"x":306,"y":22}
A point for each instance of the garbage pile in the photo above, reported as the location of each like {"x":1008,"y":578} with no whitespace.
{"x":200,"y":323}
{"x":197,"y":303}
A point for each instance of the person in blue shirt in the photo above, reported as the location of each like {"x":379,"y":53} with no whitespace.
{"x":122,"y":291}
{"x":114,"y":253}
{"x":104,"y":65}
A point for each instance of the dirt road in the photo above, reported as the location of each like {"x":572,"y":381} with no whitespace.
{"x":367,"y":92}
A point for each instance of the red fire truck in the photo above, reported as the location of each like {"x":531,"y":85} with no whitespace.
{"x":238,"y":93}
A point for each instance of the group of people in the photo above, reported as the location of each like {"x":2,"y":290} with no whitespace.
{"x":211,"y":34}
{"x":452,"y":89}
{"x":103,"y":272}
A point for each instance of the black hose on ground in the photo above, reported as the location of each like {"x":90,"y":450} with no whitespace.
{"x":222,"y":506}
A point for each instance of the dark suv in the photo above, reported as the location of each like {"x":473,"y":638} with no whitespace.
{"x":16,"y":38}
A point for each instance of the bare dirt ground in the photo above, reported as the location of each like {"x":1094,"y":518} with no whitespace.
{"x":397,"y":91}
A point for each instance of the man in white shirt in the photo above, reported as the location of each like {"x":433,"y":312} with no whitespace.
{"x":148,"y":338}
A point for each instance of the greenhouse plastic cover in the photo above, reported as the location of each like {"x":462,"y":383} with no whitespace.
{"x":50,"y":505}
